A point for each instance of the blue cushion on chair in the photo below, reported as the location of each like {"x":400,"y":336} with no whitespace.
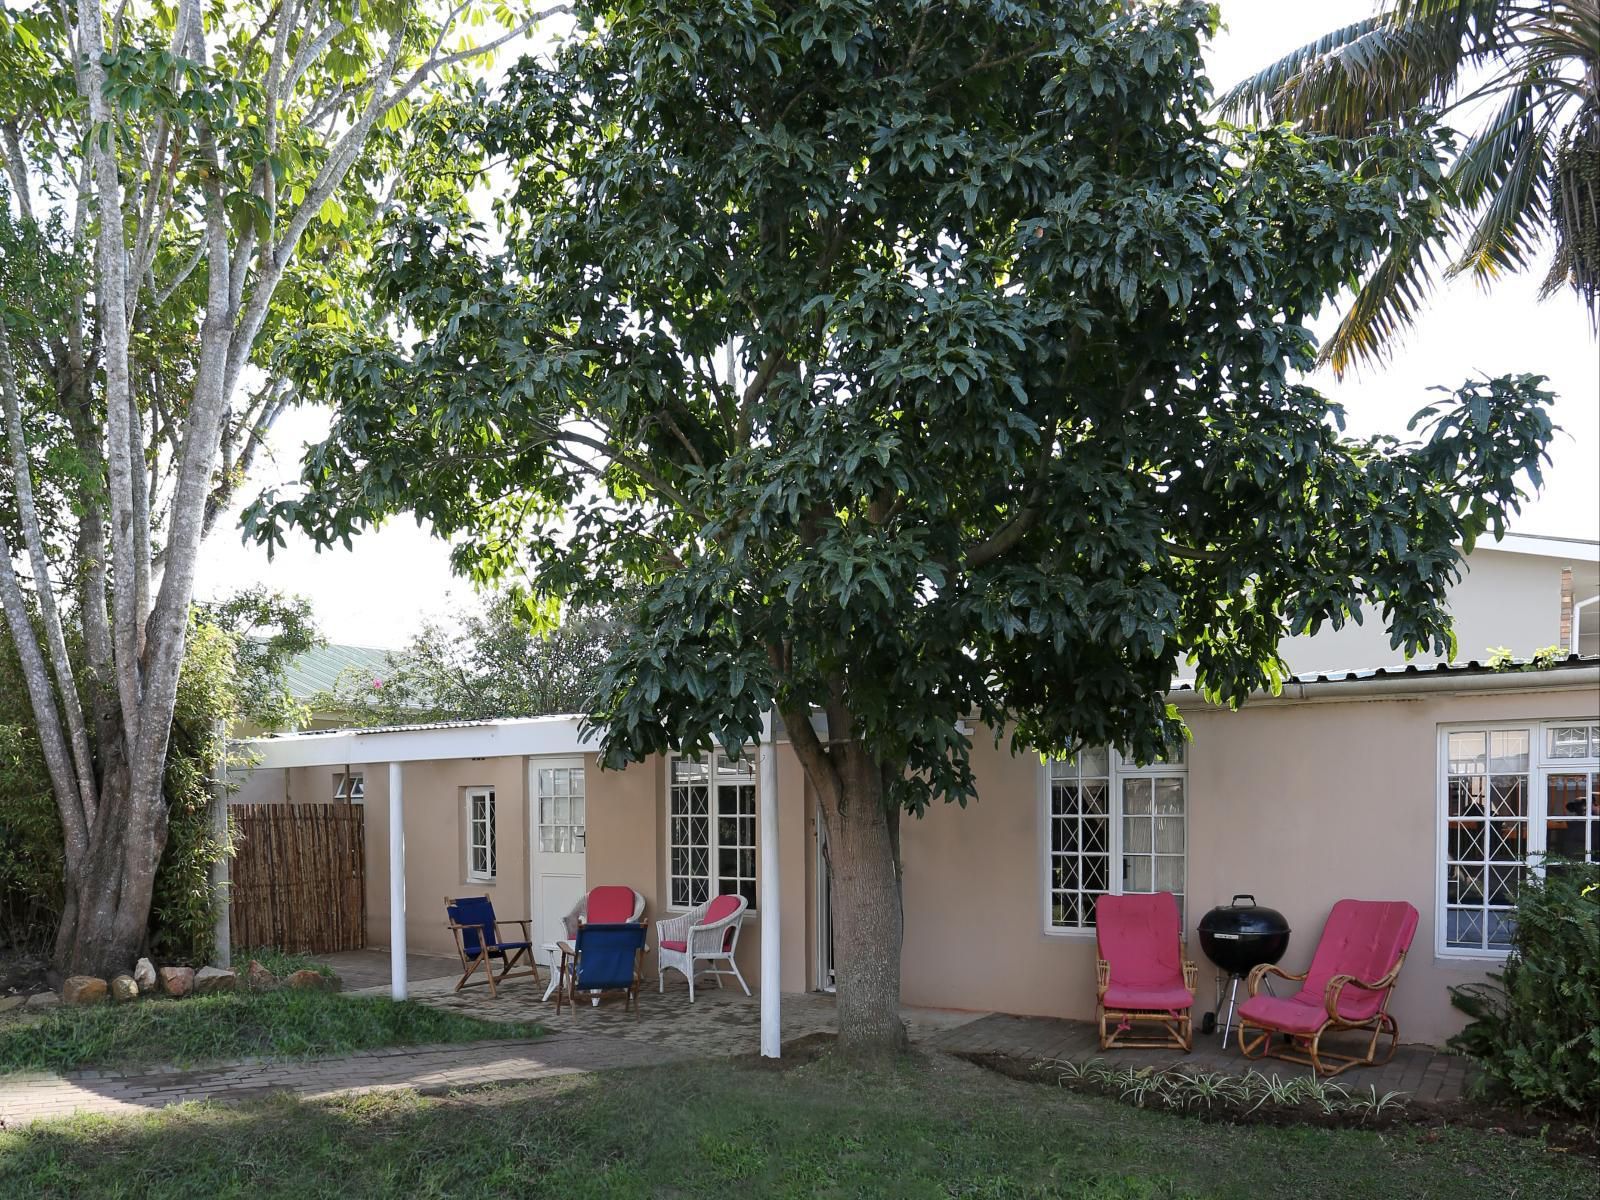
{"x":477,"y":913}
{"x":607,"y":955}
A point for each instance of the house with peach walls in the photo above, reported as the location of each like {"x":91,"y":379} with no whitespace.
{"x":1433,"y":783}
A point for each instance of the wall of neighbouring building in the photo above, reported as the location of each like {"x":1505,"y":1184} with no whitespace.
{"x":1298,"y":803}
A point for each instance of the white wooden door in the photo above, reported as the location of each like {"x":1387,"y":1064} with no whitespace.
{"x":557,"y":830}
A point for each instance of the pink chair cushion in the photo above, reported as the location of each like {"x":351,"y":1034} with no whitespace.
{"x":671,"y":944}
{"x":1149,"y":999}
{"x":609,"y":905}
{"x":1363,"y":938}
{"x":1138,"y":936}
{"x":1291,"y":1014}
{"x":722,"y":906}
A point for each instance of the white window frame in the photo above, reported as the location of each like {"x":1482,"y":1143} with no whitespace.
{"x":713,"y":844}
{"x":356,"y":781}
{"x":1119,"y":769}
{"x":1541,"y":765}
{"x":491,"y":832}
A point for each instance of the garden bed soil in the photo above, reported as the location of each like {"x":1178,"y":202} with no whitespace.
{"x":1561,"y":1135}
{"x":22,"y":974}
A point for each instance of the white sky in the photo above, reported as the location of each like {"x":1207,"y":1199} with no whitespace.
{"x":378,"y":593}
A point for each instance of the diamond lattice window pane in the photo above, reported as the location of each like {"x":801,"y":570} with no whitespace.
{"x":1502,"y":928}
{"x":1464,"y":927}
{"x":1508,"y":796}
{"x":1505,"y":841}
{"x":1096,"y":839}
{"x":1467,"y":841}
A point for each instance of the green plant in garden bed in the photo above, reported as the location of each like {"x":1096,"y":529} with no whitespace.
{"x":286,"y":1024}
{"x":1536,"y":1027}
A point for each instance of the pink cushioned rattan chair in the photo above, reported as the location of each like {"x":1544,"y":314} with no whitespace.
{"x":1352,"y":974}
{"x":702,"y":937}
{"x":608,"y":904}
{"x":1142,"y":975}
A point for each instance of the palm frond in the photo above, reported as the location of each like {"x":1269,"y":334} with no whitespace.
{"x":1253,"y":99}
{"x":1508,"y":229}
{"x":1575,"y":212}
{"x":1388,"y":302}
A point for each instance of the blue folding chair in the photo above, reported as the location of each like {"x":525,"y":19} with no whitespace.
{"x":479,"y":943}
{"x":603,"y":958}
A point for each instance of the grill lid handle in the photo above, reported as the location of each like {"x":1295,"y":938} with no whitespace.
{"x":1238,"y":896}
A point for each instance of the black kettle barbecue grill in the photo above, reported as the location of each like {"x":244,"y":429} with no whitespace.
{"x":1238,"y":938}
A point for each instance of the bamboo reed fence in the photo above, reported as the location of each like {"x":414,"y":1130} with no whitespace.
{"x":299,"y":877}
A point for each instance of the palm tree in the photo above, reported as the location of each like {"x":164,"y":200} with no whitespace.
{"x":1526,"y":73}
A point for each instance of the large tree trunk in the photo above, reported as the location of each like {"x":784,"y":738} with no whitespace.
{"x":867,"y":914}
{"x":105,"y":921}
{"x":864,"y":857}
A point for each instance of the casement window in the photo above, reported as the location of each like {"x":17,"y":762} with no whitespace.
{"x":711,"y":830}
{"x":349,"y":788}
{"x":1112,"y":827}
{"x":1509,"y":795}
{"x":481,"y":856}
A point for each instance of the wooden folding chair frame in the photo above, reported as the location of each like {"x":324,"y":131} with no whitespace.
{"x":488,"y":937}
{"x":1306,"y":1048}
{"x":1178,"y":1025}
{"x":567,"y":985}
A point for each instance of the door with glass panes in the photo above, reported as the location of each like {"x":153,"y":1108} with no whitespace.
{"x":558,"y":833}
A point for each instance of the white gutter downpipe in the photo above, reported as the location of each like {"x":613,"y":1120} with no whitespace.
{"x":397,"y":883}
{"x":771,"y":917}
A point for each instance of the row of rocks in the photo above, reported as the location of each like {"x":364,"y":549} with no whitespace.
{"x":147,"y":980}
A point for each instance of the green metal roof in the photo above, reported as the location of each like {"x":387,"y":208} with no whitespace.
{"x":317,"y":670}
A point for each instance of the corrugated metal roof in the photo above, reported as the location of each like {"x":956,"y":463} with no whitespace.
{"x":318,"y":669}
{"x":1412,"y":670}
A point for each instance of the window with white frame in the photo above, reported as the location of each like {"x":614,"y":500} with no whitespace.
{"x":349,"y":787}
{"x":480,"y":835}
{"x":711,"y":830}
{"x":1510,"y":794}
{"x":1113,"y":827}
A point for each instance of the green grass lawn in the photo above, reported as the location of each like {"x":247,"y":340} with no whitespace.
{"x":283,"y":1024}
{"x":935,"y":1129}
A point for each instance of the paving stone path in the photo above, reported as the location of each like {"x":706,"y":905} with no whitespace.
{"x":429,"y":1069}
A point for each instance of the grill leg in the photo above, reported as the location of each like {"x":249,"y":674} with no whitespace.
{"x":1233,"y":997}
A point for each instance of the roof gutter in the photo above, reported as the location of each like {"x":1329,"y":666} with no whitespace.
{"x":1408,"y":687}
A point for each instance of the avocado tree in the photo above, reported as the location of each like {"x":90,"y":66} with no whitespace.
{"x":918,"y":363}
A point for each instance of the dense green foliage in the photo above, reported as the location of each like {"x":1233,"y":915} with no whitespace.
{"x":290,"y":1023}
{"x":1536,"y":1029}
{"x":1527,"y":182}
{"x":1013,"y":426}
{"x":720,"y":1128}
{"x":495,"y":662}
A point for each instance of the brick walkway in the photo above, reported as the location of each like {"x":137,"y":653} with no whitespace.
{"x":1426,"y":1075}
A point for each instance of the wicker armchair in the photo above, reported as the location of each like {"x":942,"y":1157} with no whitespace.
{"x":692,"y":943}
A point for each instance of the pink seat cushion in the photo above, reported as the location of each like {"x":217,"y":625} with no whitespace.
{"x":1291,"y":1014}
{"x":1138,"y":935}
{"x":609,"y":905}
{"x":1148,"y":999}
{"x":670,"y":944}
{"x":1363,"y":938}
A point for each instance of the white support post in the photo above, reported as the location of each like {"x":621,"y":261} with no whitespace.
{"x":771,"y":916}
{"x":397,"y":884}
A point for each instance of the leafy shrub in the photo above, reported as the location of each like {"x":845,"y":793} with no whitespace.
{"x":1535,"y":1027}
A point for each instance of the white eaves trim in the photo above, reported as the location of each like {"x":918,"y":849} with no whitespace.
{"x":513,"y":737}
{"x":1571,"y":549}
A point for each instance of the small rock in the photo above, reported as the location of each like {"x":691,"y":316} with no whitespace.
{"x":208,"y":981}
{"x":144,"y":974}
{"x":83,"y":989}
{"x":313,"y":980}
{"x":43,"y":1000}
{"x":7,"y":1003}
{"x":177,"y":981}
{"x":258,"y":979}
{"x":123,"y":989}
